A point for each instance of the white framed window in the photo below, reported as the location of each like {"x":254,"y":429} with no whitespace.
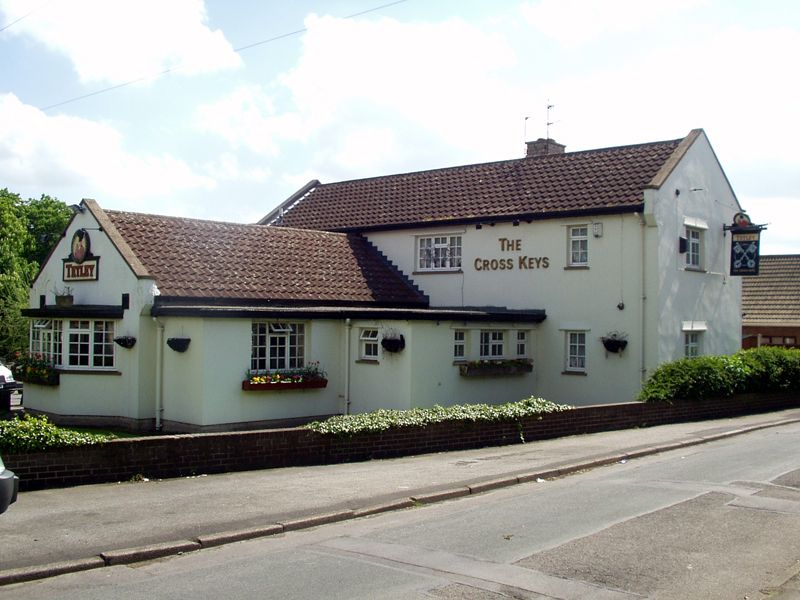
{"x":439,"y":253}
{"x":459,"y":344}
{"x":578,"y":246}
{"x":692,"y":343}
{"x":74,"y":343}
{"x":369,"y":344}
{"x":492,"y":344}
{"x":576,"y":352}
{"x":277,"y":346}
{"x":522,"y":343}
{"x":90,"y":344}
{"x":694,"y":248}
{"x":46,"y":340}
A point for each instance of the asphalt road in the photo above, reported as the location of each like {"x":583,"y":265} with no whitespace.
{"x":717,"y":520}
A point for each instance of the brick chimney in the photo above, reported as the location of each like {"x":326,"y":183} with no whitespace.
{"x":543,"y":147}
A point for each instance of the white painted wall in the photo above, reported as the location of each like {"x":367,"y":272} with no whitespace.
{"x":696,"y":190}
{"x":627,"y":262}
{"x":572,"y":298}
{"x":128,"y":391}
{"x":203,"y":386}
{"x":436,"y":378}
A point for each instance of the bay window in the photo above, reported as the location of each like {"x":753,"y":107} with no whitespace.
{"x":74,"y":343}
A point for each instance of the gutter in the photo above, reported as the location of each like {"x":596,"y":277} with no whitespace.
{"x":159,"y":372}
{"x":348,"y":334}
{"x":643,"y":299}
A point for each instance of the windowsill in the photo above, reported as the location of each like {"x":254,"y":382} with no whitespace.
{"x":578,"y":373}
{"x":694,"y":270}
{"x":460,"y":361}
{"x":438,"y":272}
{"x":368,"y":361}
{"x":74,"y":371}
{"x":576,"y":268}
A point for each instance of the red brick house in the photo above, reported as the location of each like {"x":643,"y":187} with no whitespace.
{"x":771,"y":303}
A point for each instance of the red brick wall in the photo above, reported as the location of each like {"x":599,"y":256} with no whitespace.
{"x":750,"y":336}
{"x":190,"y":454}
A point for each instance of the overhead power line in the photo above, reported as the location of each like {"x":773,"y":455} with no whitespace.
{"x":176,"y":67}
{"x":25,"y":16}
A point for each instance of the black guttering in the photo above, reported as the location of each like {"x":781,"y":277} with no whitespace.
{"x":77,"y":311}
{"x":162,"y":302}
{"x":489,"y":314}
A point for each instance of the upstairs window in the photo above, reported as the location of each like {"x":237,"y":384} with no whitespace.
{"x":578,"y":246}
{"x":694,"y":248}
{"x":439,"y":253}
{"x":277,"y":346}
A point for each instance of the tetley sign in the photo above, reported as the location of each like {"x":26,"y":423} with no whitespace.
{"x":81,"y":265}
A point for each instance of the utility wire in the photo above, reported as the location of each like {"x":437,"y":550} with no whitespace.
{"x":176,"y":67}
{"x":4,"y":27}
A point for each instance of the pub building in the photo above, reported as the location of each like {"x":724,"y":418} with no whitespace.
{"x":564,"y":275}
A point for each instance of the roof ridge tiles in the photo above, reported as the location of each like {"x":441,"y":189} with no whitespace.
{"x":519,"y":160}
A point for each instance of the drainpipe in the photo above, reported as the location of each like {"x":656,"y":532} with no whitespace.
{"x":349,"y":328}
{"x":159,"y":371}
{"x":643,"y":300}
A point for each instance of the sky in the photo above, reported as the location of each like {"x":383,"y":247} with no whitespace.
{"x":224,"y":108}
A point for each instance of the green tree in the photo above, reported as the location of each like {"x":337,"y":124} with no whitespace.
{"x":28,"y":230}
{"x":46,"y":220}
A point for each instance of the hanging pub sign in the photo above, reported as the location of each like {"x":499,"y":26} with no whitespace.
{"x":745,"y":240}
{"x":81,"y":265}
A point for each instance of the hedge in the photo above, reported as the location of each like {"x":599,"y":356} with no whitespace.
{"x":381,"y":420}
{"x":33,"y":434}
{"x":766,"y":369}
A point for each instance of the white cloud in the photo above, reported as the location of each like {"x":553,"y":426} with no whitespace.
{"x":41,"y":152}
{"x":781,"y":215}
{"x":118,"y":42}
{"x":372,"y":95}
{"x":227,"y":167}
{"x":574,"y":22}
{"x":732,"y":83}
{"x":247,"y":118}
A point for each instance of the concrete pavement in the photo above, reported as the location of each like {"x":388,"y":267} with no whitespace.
{"x":50,"y":532}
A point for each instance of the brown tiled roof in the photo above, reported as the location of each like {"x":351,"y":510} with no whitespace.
{"x":773,"y":296}
{"x":553,"y":185}
{"x":190,"y":258}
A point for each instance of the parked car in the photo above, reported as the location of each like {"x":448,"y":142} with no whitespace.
{"x":6,"y":378}
{"x":7,"y":385}
{"x":9,"y":486}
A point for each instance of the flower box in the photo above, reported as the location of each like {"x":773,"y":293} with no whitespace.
{"x":64,"y":299}
{"x":51,"y":378}
{"x":286,"y":385}
{"x":34,"y":369}
{"x":496,"y":368}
